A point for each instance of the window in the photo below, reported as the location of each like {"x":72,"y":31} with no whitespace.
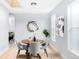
{"x":53,"y":31}
{"x":11,"y":23}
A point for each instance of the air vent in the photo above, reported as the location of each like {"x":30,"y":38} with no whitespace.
{"x":33,"y":3}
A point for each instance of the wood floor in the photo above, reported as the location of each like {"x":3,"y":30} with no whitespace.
{"x":12,"y":53}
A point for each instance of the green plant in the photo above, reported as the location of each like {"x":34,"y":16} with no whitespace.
{"x":46,"y":33}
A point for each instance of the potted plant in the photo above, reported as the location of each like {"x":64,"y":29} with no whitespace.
{"x":46,"y":33}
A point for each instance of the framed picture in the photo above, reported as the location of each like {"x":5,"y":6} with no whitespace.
{"x":60,"y":26}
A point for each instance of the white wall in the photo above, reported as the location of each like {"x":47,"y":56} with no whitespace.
{"x":21,"y":25}
{"x":62,"y":43}
{"x":3,"y":30}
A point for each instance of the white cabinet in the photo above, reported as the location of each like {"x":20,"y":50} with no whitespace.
{"x":73,"y":27}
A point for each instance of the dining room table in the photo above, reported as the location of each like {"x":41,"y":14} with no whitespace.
{"x":28,"y":42}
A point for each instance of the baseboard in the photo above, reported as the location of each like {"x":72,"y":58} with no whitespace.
{"x":2,"y":52}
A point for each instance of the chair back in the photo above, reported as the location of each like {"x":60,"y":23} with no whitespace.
{"x":44,"y":45}
{"x":35,"y":48}
{"x":20,"y":46}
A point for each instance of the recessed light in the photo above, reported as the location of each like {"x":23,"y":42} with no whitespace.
{"x":33,"y":3}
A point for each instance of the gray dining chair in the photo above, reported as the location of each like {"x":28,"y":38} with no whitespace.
{"x":44,"y":46}
{"x":35,"y":49}
{"x":21,"y":47}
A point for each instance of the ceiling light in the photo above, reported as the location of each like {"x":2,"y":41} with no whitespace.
{"x":33,"y":3}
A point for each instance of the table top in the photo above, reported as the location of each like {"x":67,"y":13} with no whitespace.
{"x":26,"y":41}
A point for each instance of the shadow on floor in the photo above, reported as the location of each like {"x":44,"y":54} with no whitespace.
{"x":23,"y":57}
{"x":51,"y":56}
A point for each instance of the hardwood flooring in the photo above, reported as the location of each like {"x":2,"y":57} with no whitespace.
{"x":11,"y":53}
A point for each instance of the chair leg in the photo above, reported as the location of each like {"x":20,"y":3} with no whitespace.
{"x":46,"y":52}
{"x":27,"y":51}
{"x":38,"y":55}
{"x":18,"y":52}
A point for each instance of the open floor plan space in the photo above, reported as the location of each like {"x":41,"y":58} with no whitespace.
{"x":39,"y":29}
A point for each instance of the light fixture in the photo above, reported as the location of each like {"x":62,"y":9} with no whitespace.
{"x":13,"y":3}
{"x":33,"y":3}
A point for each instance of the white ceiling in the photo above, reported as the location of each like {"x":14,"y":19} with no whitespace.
{"x":42,"y":6}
